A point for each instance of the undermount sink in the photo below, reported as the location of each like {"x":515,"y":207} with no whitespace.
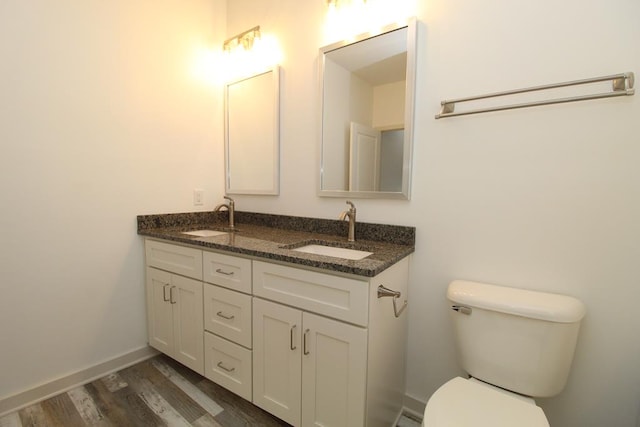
{"x":344,"y":253}
{"x":204,"y":233}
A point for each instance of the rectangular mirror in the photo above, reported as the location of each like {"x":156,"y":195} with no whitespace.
{"x":367,"y":114}
{"x":252,"y":134}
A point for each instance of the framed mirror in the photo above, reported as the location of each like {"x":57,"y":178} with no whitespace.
{"x":367,"y":97}
{"x":252,"y":134}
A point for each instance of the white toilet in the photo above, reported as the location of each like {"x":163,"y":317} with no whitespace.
{"x":515,"y":345}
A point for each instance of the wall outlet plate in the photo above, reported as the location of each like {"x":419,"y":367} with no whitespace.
{"x":198,"y":197}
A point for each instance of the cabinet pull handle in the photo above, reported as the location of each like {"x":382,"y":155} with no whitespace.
{"x":292,"y":346}
{"x":305,"y":351}
{"x":226,"y":273}
{"x":164,"y":293}
{"x":224,"y":316}
{"x":224,"y":368}
{"x":171,"y":300}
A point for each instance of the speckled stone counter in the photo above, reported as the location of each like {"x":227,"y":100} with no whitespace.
{"x":273,"y":237}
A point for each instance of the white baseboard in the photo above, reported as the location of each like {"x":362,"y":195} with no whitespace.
{"x":414,"y":406}
{"x":60,"y":385}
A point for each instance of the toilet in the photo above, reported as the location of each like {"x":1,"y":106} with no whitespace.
{"x":515,"y":345}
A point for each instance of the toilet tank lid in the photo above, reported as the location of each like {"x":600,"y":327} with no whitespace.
{"x":518,"y":302}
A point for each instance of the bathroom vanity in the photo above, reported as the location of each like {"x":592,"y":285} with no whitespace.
{"x":301,"y":335}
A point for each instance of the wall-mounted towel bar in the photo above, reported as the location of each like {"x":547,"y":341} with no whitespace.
{"x":386,"y":292}
{"x":622,"y":84}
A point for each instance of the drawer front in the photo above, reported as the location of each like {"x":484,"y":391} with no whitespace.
{"x":228,"y":314}
{"x":174,"y":258}
{"x":337,"y":297}
{"x":228,"y":364}
{"x":228,"y":271}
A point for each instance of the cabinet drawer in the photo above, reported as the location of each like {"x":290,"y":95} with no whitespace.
{"x":174,"y":258}
{"x":228,"y":364}
{"x":338,"y":297}
{"x":228,"y":314}
{"x":228,"y":271}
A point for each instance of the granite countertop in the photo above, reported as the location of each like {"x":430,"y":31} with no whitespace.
{"x":272,"y":237}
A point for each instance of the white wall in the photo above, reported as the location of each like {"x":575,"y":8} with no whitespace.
{"x":388,"y":105}
{"x":336,"y":164}
{"x":544,"y":198}
{"x":101,"y":119}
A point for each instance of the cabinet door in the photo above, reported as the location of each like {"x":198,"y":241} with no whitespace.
{"x":159,"y":310}
{"x":188,"y":327}
{"x":334,"y":372}
{"x":276,"y":359}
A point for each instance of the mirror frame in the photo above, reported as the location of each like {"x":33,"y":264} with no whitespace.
{"x":409,"y":103}
{"x":228,"y":141}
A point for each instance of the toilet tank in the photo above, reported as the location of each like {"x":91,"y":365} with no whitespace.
{"x":516,"y":339}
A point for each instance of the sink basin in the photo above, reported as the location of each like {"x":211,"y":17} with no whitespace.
{"x":204,"y":233}
{"x":344,"y":253}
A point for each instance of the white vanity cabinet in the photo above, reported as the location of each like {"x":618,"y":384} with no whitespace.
{"x":326,"y":350}
{"x":310,"y":347}
{"x":174,"y":302}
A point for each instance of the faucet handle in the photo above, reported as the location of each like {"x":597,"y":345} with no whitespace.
{"x":353,"y":207}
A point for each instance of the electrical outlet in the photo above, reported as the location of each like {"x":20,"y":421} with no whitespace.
{"x":198,"y":197}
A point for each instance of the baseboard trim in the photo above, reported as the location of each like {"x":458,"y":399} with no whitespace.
{"x":414,"y":406}
{"x":44,"y":391}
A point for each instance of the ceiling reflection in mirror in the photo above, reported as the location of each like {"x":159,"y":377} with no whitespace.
{"x":367,"y":115}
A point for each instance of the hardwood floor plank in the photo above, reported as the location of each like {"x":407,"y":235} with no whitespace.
{"x":237,"y":411}
{"x":187,"y":387}
{"x":116,"y":410}
{"x":137,"y":410}
{"x":174,"y":396}
{"x":206,"y":420}
{"x":32,"y":416}
{"x":59,"y":411}
{"x":114,"y":382}
{"x":151,"y":397}
{"x":86,"y":407}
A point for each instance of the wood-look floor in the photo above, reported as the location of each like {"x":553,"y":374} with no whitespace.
{"x":155,"y":392}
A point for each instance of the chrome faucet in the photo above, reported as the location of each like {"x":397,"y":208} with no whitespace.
{"x":231,"y":208}
{"x":351,"y":214}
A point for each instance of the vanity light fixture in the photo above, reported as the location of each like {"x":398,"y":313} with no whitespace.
{"x":347,"y":19}
{"x":337,"y":3}
{"x":244,"y":39}
{"x":249,"y":53}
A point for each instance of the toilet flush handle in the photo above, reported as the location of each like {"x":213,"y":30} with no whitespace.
{"x":461,"y":309}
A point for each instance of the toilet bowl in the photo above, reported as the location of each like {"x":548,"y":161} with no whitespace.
{"x":468,"y":402}
{"x":515,"y":344}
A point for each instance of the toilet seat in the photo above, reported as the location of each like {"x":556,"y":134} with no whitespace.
{"x":461,"y":402}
